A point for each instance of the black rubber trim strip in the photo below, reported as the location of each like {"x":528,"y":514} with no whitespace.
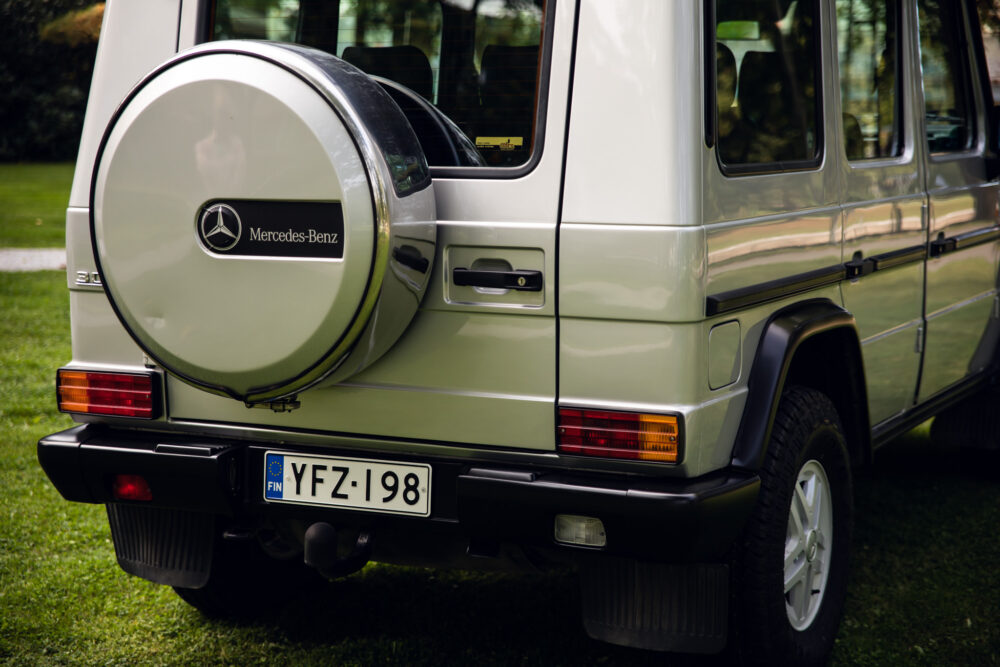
{"x":946,"y":244}
{"x":976,"y":237}
{"x":711,"y":75}
{"x":753,"y":295}
{"x":891,"y":260}
{"x":886,"y":431}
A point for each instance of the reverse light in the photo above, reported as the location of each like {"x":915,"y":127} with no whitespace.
{"x":104,"y":393}
{"x":620,"y":435}
{"x":585,"y":531}
{"x":131,"y":487}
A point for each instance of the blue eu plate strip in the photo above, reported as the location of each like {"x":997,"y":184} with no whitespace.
{"x":274,"y":477}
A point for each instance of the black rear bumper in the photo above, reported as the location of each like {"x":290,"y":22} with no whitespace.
{"x":645,"y":517}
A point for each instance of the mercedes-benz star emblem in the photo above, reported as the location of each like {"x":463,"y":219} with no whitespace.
{"x":220,"y":227}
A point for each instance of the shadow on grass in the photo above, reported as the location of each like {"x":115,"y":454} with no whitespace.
{"x":415,"y":616}
{"x":924,"y":588}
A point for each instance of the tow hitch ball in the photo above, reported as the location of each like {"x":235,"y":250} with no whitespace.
{"x":321,"y":551}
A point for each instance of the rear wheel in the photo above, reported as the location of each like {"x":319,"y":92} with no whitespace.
{"x":793,"y":562}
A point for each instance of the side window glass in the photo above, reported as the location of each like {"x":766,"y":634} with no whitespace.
{"x":767,"y":84}
{"x":945,"y":69}
{"x":989,"y":20}
{"x":868,"y":48}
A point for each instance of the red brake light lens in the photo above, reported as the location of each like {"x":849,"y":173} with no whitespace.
{"x":101,"y":393}
{"x":620,"y":435}
{"x":131,"y":487}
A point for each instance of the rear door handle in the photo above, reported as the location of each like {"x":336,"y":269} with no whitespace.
{"x":523,"y":281}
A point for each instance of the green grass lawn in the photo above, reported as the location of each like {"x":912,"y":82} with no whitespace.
{"x":33,"y":200}
{"x":925,"y":587}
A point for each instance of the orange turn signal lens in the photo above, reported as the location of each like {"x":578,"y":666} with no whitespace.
{"x":621,"y":435}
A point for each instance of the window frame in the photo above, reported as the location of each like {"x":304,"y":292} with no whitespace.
{"x":711,"y":111}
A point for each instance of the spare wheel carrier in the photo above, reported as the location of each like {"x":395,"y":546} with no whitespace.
{"x":262,"y":217}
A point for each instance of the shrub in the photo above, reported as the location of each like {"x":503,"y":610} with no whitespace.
{"x":45,"y":82}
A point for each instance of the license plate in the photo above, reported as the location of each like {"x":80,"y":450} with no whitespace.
{"x":358,"y":484}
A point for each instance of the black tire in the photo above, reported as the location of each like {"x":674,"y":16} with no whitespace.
{"x":246,"y":584}
{"x":807,"y":439}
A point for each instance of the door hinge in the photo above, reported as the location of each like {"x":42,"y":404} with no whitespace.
{"x":278,"y":405}
{"x":919,"y":348}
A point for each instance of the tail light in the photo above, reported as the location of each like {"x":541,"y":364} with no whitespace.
{"x":105,"y":393}
{"x":620,"y":435}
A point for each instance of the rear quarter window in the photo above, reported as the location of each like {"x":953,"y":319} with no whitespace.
{"x":767,"y":87}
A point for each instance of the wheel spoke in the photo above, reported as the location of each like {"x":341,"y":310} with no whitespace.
{"x":816,"y":497}
{"x":798,"y":593}
{"x":797,"y":575}
{"x":795,"y":548}
{"x":804,"y":493}
{"x":796,"y":521}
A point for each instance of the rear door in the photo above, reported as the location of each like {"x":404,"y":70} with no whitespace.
{"x":884,"y":229}
{"x":477,"y":364}
{"x":963,"y":249}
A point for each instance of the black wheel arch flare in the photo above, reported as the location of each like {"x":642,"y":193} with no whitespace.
{"x":813,"y":343}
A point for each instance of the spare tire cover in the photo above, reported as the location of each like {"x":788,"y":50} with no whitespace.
{"x":262,"y":217}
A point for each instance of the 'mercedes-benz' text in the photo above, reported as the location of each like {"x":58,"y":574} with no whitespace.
{"x":292,"y":236}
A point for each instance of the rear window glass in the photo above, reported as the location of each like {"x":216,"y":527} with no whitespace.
{"x":767,"y":83}
{"x":465,"y":72}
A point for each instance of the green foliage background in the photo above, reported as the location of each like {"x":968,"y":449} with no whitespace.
{"x":44,"y":85}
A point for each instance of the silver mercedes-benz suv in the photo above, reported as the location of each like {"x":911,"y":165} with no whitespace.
{"x":625,"y":285}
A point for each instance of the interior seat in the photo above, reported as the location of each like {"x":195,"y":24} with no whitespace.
{"x":770,"y":105}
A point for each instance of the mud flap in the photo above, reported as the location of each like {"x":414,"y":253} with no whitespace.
{"x":165,"y":546}
{"x":656,"y":606}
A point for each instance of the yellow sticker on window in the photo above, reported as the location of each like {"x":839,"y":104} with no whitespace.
{"x":500,"y":143}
